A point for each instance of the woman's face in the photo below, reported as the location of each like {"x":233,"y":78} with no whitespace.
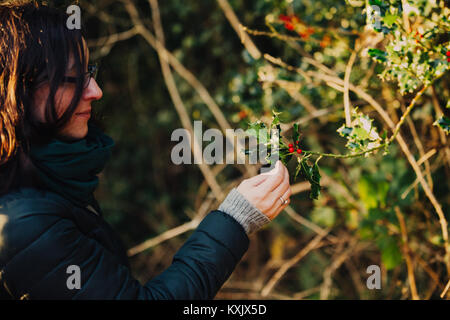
{"x":77,"y":127}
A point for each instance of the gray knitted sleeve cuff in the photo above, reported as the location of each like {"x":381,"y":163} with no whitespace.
{"x":237,"y":206}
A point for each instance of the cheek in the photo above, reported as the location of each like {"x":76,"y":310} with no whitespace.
{"x":63,"y":97}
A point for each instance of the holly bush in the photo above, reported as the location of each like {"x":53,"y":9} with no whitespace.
{"x":403,"y":48}
{"x":360,"y":87}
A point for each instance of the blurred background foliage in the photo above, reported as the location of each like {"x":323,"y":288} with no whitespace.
{"x":143,"y":194}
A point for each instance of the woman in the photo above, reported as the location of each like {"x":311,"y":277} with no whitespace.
{"x":50,"y":155}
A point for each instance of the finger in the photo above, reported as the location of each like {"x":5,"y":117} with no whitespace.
{"x":276,"y":176}
{"x":275,"y":211}
{"x":287,"y":194}
{"x":257,"y":180}
{"x":272,"y":201}
{"x":281,"y":189}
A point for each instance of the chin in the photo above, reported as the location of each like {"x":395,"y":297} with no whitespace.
{"x":83,"y":133}
{"x":72,"y":134}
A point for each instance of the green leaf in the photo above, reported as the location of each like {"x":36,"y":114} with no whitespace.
{"x":256,"y":126}
{"x":391,"y":255}
{"x":372,"y":193}
{"x":297,"y":170}
{"x":312,"y":174}
{"x":305,"y":170}
{"x":345,"y":131}
{"x":259,"y":130}
{"x":375,"y":2}
{"x":361,"y":133}
{"x":284,"y":155}
{"x":366,"y":192}
{"x":389,"y":19}
{"x":296,"y":134}
{"x":315,"y":185}
{"x":378,"y":54}
{"x":275,"y":121}
{"x":323,"y":216}
{"x":444,"y":123}
{"x":275,"y":118}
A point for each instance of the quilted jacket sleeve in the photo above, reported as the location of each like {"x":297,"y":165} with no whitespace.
{"x":198,"y":270}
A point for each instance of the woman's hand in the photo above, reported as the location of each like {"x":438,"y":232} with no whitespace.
{"x":264,"y":190}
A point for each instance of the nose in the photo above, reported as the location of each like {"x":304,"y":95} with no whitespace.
{"x":92,"y":91}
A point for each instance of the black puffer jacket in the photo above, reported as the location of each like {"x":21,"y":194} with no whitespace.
{"x":42,"y":234}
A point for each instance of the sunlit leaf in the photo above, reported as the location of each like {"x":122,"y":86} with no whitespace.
{"x":444,"y":123}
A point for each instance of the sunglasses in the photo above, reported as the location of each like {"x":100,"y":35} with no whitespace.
{"x":91,"y":73}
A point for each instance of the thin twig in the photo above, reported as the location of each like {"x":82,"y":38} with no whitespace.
{"x":425,"y":157}
{"x":280,"y":62}
{"x":309,"y":224}
{"x":347,"y":106}
{"x":447,"y":287}
{"x":234,"y":21}
{"x":313,"y":244}
{"x":442,"y":136}
{"x":337,"y":262}
{"x":409,"y":264}
{"x":174,"y":232}
{"x":419,"y":145}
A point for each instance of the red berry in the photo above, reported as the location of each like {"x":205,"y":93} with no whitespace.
{"x":284,"y":18}
{"x":290,"y":145}
{"x":448,"y":59}
{"x":448,"y":53}
{"x":289,"y":26}
{"x":291,"y":149}
{"x":299,"y":151}
{"x":297,"y":142}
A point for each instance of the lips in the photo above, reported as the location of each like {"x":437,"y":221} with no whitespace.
{"x":84,"y":114}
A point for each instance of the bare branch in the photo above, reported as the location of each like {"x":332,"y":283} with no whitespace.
{"x":313,"y":244}
{"x":234,"y":21}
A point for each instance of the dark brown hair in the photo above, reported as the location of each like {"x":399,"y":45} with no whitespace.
{"x":35,"y":45}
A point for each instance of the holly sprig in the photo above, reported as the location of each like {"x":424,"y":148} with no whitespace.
{"x":362,"y":138}
{"x":269,"y":137}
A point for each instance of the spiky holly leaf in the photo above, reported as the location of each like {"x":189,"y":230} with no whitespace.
{"x":295,"y":133}
{"x":362,"y":134}
{"x":444,"y":123}
{"x":258,"y":129}
{"x":312,"y":174}
{"x":315,"y":185}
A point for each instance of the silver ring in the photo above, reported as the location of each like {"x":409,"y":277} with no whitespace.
{"x":283,"y":202}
